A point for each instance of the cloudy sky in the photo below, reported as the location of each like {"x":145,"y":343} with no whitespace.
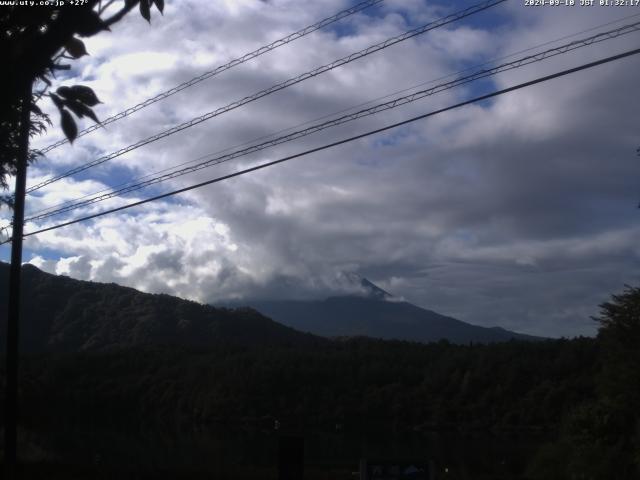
{"x":519,"y":212}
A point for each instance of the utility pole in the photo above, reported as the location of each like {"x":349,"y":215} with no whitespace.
{"x":13,"y":317}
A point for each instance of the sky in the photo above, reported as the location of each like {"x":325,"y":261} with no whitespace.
{"x":520,"y":211}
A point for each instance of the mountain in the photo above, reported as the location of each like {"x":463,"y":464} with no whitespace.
{"x":363,"y":287}
{"x":376,"y":313}
{"x":60,"y":314}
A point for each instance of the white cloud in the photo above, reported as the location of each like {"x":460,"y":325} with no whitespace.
{"x":517,"y":213}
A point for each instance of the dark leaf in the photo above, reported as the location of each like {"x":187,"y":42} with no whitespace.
{"x":90,"y":113}
{"x":145,"y":10}
{"x":35,"y":109}
{"x":84,"y":94}
{"x":64,"y":66}
{"x":69,"y":126}
{"x":57,"y":100}
{"x":90,"y":24}
{"x":76,"y":107}
{"x":160,"y":5}
{"x":81,"y":110}
{"x":33,"y":155}
{"x":64,"y":92}
{"x":76,"y":48}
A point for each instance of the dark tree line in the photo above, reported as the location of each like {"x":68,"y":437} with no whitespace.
{"x":584,"y":392}
{"x":354,"y":383}
{"x":600,"y":438}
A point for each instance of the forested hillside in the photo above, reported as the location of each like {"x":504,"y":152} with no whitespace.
{"x":103,"y":356}
{"x":61,"y":314}
{"x":546,"y":393}
{"x":355,"y":383}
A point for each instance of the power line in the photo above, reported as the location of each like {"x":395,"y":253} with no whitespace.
{"x":562,"y":49}
{"x":275,"y":88}
{"x":58,"y":206}
{"x":343,"y":141}
{"x":287,"y":83}
{"x":233,"y":63}
{"x":347,"y":118}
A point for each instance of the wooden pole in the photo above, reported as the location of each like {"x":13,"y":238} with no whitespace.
{"x":13,"y":316}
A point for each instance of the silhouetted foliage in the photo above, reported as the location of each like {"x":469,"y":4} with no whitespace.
{"x":620,"y":336}
{"x":619,"y":379}
{"x":34,"y":43}
{"x":601,"y":437}
{"x":359,"y":383}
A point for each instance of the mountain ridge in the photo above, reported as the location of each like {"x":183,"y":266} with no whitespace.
{"x":376,"y":313}
{"x":62,"y":314}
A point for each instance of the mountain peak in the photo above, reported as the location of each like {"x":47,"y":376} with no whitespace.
{"x":360,"y":286}
{"x":373,"y":291}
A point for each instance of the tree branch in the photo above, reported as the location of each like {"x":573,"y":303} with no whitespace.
{"x":101,"y":8}
{"x":118,"y":16}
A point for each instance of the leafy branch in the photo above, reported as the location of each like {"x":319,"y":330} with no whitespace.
{"x":35,"y":42}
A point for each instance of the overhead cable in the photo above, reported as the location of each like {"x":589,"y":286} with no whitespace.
{"x":352,"y":107}
{"x":211,"y":73}
{"x":340,"y":142}
{"x":275,"y":88}
{"x":552,"y":52}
